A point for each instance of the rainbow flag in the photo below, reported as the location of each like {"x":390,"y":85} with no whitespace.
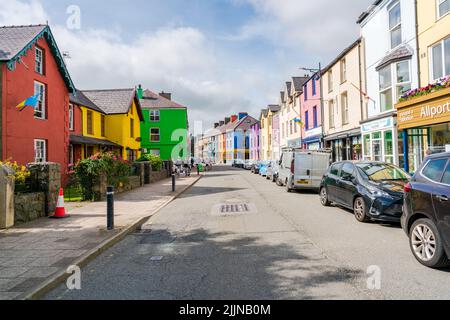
{"x":29,"y":102}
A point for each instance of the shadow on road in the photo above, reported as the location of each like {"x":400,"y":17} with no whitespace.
{"x":197,"y":191}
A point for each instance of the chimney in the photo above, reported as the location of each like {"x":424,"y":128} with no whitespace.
{"x":227,"y":120}
{"x":221,"y":123}
{"x":242,"y":115}
{"x":166,"y":95}
{"x":216,"y":125}
{"x":140,"y":92}
{"x":234,"y":118}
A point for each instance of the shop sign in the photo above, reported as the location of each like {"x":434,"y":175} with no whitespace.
{"x":313,"y":132}
{"x":424,"y":114}
{"x":378,"y":125}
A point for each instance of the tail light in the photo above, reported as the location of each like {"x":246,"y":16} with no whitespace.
{"x":292,"y":166}
{"x":408,"y":188}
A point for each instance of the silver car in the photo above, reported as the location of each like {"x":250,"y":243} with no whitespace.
{"x":273,"y":170}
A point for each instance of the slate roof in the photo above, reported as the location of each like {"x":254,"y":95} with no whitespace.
{"x":298,"y":83}
{"x":245,"y":123}
{"x":14,"y":38}
{"x":264,"y":112}
{"x":274,"y":107}
{"x":152,"y":100}
{"x":401,"y":53}
{"x":78,"y":139}
{"x":80,"y":99}
{"x":366,"y":13}
{"x":289,"y":88}
{"x":282,"y":96}
{"x":114,"y":101}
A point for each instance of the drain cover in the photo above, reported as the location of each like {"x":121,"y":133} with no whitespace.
{"x":234,"y":208}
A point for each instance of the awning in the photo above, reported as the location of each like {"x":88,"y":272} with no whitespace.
{"x":77,"y":139}
{"x":343,"y":134}
{"x":312,"y":139}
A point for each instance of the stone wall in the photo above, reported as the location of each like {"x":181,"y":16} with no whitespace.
{"x":158,"y":176}
{"x":6,"y":197}
{"x":48,"y":176}
{"x":28,"y":207}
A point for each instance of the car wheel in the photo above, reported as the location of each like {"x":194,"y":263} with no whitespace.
{"x":278,"y":182}
{"x":426,"y":244}
{"x":360,"y":210}
{"x":324,"y":197}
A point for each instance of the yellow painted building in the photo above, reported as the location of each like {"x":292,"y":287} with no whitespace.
{"x":433,"y":19}
{"x":109,"y":120}
{"x":265,"y":131}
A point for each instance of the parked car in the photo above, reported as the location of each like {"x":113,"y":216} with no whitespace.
{"x":272,"y":171}
{"x":263,"y":168}
{"x":255,"y":167}
{"x":373,"y":190}
{"x":248,"y":164}
{"x":426,"y":212}
{"x":302,"y":169}
{"x":238,"y":163}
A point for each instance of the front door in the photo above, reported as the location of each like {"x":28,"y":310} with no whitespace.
{"x":441,"y":201}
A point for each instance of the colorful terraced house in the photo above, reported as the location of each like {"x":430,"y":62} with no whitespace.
{"x":105,"y":120}
{"x":164,"y":131}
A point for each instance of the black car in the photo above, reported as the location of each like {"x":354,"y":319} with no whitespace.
{"x":373,"y":190}
{"x":426,"y":217}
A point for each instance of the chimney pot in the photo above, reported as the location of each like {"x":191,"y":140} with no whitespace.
{"x":166,"y":95}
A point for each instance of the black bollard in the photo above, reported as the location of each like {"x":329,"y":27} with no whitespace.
{"x":198,"y":170}
{"x":173,"y":182}
{"x":110,"y":208}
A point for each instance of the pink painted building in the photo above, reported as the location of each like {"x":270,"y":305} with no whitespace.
{"x":311,"y":114}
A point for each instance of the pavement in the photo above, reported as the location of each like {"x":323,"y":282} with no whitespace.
{"x":34,"y":257}
{"x":275,"y":245}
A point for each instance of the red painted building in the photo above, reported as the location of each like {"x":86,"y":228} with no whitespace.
{"x":31,"y":63}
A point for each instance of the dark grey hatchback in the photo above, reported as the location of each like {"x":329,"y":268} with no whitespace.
{"x":426,"y":217}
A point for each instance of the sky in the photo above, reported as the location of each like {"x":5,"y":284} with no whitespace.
{"x":218,"y":57}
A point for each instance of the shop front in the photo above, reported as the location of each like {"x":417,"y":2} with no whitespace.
{"x":380,"y":140}
{"x":424,"y":122}
{"x":313,"y":139}
{"x":345,"y":145}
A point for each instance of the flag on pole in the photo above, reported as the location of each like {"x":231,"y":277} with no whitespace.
{"x":29,"y":102}
{"x":298,"y":121}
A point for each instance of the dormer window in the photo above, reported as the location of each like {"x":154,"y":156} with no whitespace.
{"x":39,"y":59}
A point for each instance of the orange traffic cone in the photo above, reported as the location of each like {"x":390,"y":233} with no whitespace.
{"x":60,"y":211}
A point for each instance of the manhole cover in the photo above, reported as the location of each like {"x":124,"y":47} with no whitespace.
{"x":233,"y":208}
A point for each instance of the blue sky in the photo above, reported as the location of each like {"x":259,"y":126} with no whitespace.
{"x":216,"y":56}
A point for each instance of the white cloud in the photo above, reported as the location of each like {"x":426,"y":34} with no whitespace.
{"x":314,"y":26}
{"x":14,"y":12}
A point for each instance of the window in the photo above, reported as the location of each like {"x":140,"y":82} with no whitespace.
{"x":40,"y":111}
{"x":305,"y":91}
{"x":307,"y":120}
{"x":154,"y":135}
{"x":344,"y":105}
{"x":89,"y":125}
{"x":155,"y":152}
{"x":330,"y":81}
{"x":103,"y":124}
{"x":315,"y":120}
{"x":290,"y":127}
{"x":395,"y":25}
{"x":343,"y":70}
{"x":347,"y":170}
{"x":155,"y":116}
{"x":71,"y":117}
{"x":313,"y":87}
{"x":331,"y":114}
{"x":39,"y":59}
{"x":440,"y":59}
{"x":395,"y":80}
{"x":434,"y":169}
{"x":443,"y":7}
{"x":446,"y":178}
{"x":40,"y":150}
{"x":131,"y":128}
{"x":334,"y":170}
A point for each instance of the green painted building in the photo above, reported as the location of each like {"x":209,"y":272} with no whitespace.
{"x":164,"y":131}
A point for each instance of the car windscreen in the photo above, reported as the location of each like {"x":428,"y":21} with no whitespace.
{"x":382,"y":172}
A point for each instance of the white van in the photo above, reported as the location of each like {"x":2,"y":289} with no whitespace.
{"x":303,"y":169}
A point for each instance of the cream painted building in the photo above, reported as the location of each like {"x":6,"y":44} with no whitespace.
{"x":344,"y":103}
{"x":290,"y":102}
{"x":266,"y":131}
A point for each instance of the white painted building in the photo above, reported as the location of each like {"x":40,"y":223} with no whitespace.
{"x":388,"y":29}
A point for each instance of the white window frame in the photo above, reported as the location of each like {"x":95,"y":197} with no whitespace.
{"x":331,"y":113}
{"x":343,"y":70}
{"x":41,"y":107}
{"x":330,"y":81}
{"x":431,"y":62}
{"x":155,"y":116}
{"x":438,"y":13}
{"x":155,"y":152}
{"x":39,"y":60}
{"x":394,"y":84}
{"x":345,"y":109}
{"x":392,"y":6}
{"x":154,"y":134}
{"x":71,"y":117}
{"x":43,"y":156}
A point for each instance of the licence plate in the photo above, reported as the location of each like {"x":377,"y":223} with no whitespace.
{"x":302,"y":182}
